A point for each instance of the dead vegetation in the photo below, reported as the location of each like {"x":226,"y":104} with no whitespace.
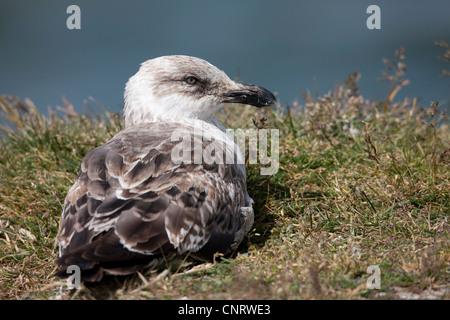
{"x":360,"y":183}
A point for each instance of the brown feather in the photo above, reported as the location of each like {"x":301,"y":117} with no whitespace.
{"x":131,"y":205}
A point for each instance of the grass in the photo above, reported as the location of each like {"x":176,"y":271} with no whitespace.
{"x":360,"y":183}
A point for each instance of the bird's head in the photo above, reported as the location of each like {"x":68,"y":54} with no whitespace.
{"x":179,"y":87}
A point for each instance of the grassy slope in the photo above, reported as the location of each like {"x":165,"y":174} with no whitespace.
{"x":360,"y":183}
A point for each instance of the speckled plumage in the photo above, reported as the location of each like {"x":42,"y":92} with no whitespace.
{"x":132,"y":205}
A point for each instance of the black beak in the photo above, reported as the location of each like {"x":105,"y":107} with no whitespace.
{"x":252,"y":95}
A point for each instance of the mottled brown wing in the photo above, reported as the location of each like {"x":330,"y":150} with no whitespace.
{"x":132,"y":205}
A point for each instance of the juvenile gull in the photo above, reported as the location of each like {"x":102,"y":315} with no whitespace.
{"x":132,"y":205}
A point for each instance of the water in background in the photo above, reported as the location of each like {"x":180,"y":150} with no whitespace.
{"x":286,"y":46}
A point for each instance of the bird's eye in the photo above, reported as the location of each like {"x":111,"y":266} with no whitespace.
{"x":191,"y":80}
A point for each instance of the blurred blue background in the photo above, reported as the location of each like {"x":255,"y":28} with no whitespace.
{"x":286,"y":46}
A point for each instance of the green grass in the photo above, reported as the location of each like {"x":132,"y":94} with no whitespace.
{"x":360,"y":183}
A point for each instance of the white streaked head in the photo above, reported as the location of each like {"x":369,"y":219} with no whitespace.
{"x":180,"y":87}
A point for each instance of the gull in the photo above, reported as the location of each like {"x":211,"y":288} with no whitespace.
{"x":133,"y":204}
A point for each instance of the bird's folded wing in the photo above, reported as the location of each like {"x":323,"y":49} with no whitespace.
{"x":131,"y":190}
